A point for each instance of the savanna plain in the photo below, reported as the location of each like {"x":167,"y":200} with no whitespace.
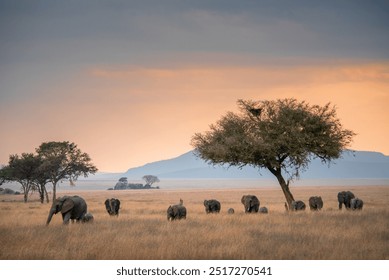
{"x":142,"y":230}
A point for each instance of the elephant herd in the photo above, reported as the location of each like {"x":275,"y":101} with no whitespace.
{"x":345,"y":198}
{"x":75,"y":208}
{"x":250,"y":202}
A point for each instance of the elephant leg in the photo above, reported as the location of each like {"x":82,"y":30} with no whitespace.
{"x":66,"y":218}
{"x":340,"y":205}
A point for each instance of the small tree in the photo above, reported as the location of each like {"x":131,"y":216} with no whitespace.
{"x":282,"y":136}
{"x":64,"y":161}
{"x":21,"y":169}
{"x":121,"y":184}
{"x":150,"y":179}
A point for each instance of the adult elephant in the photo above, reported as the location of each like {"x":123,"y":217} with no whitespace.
{"x":345,"y":197}
{"x":298,"y":205}
{"x":212,"y":206}
{"x":356,"y":204}
{"x":71,"y":208}
{"x":315,"y":203}
{"x":176,"y":212}
{"x":112,"y":205}
{"x":251,"y":203}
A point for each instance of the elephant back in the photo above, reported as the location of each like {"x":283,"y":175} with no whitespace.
{"x":212,"y":206}
{"x":176,"y":212}
{"x":80,"y":208}
{"x":298,"y":205}
{"x":315,"y":202}
{"x":345,"y":197}
{"x":112,"y":206}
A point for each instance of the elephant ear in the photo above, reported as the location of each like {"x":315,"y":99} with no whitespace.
{"x":243,"y":199}
{"x":67,"y":206}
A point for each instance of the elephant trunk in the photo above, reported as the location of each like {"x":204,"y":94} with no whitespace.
{"x":51,"y":213}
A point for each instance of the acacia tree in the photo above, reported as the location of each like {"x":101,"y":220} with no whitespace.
{"x":282,"y":136}
{"x":64,"y":161}
{"x":150,"y":179}
{"x":21,"y":169}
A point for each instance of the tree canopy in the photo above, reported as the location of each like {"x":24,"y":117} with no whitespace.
{"x":282,"y":136}
{"x":21,"y":169}
{"x":64,"y":161}
{"x":53,"y":162}
{"x":150,"y":179}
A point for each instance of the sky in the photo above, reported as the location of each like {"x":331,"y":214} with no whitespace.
{"x":130,"y":82}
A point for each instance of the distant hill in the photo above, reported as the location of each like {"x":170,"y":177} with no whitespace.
{"x":352,"y":165}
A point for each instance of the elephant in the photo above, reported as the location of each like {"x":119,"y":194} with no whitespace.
{"x":251,"y":203}
{"x":176,"y":212}
{"x":112,"y":205}
{"x":298,"y":205}
{"x":356,"y":204}
{"x":345,"y":197}
{"x":71,"y":208}
{"x":263,"y":210}
{"x":231,"y":211}
{"x":315,"y":203}
{"x":212,"y":206}
{"x":88,"y":218}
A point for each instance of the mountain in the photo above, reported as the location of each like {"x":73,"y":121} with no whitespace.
{"x":352,"y":165}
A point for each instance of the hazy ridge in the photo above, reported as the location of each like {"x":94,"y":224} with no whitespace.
{"x":352,"y":165}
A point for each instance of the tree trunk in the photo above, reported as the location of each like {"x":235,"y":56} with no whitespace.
{"x":41,"y":194}
{"x":284,"y":186}
{"x":46,"y":194}
{"x":25,"y":196}
{"x":26,"y":190}
{"x":54,"y":191}
{"x":285,"y":189}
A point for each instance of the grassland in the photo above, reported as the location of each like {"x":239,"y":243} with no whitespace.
{"x":142,"y":231}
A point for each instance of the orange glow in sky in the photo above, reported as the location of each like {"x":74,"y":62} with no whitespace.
{"x":127,"y":116}
{"x":130,"y":82}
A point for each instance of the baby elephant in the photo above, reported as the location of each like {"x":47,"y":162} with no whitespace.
{"x":112,"y":205}
{"x":356,"y":204}
{"x":263,"y":210}
{"x":88,"y":218}
{"x":212,"y":206}
{"x":176,"y":212}
{"x":315,"y":203}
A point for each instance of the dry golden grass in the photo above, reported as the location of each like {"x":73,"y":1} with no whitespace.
{"x":142,"y":231}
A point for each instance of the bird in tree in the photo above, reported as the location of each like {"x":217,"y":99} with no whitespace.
{"x":282,"y":136}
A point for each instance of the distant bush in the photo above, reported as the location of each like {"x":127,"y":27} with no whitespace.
{"x":7,"y":191}
{"x":122,"y":184}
